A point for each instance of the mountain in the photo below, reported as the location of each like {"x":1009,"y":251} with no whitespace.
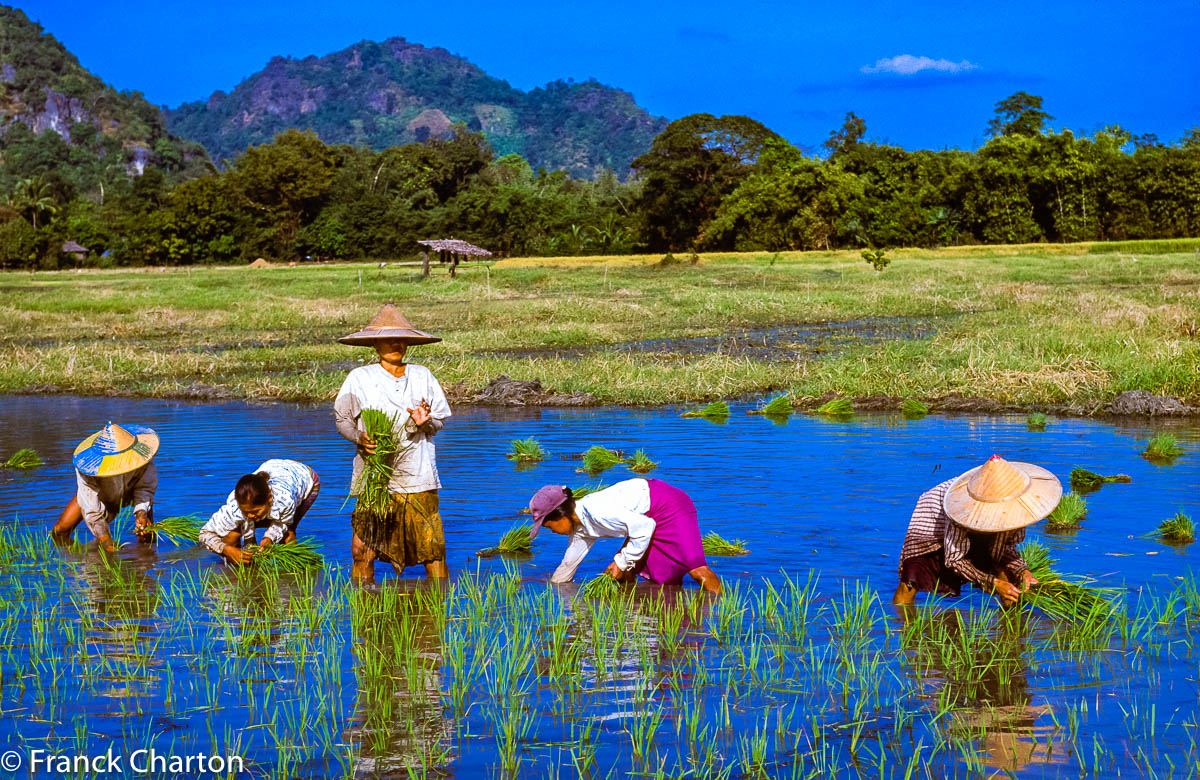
{"x":60,"y":121}
{"x":396,"y":92}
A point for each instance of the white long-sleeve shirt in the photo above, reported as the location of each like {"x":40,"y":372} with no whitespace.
{"x":414,"y":467}
{"x":101,"y":498}
{"x":615,"y":512}
{"x":290,"y":481}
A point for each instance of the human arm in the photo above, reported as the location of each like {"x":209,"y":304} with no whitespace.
{"x":145,"y":485}
{"x":91,"y":506}
{"x":955,"y":546}
{"x":226,"y":520}
{"x":577,"y":549}
{"x":639,"y":529}
{"x":430,"y":414}
{"x":1008,"y":557}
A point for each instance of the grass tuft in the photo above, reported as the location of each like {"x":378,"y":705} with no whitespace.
{"x":1036,"y":422}
{"x":641,"y":463}
{"x":526,"y":451}
{"x":1162,"y":446}
{"x":1071,"y":510}
{"x":1077,"y":600}
{"x":718,"y":546}
{"x":598,"y":459}
{"x":1178,"y":529}
{"x":1084,"y":480}
{"x":292,"y":558}
{"x":179,"y":529}
{"x":23,"y":459}
{"x":717,"y":410}
{"x":514,"y":541}
{"x":780,"y":406}
{"x":838,"y":407}
{"x":602,"y":587}
{"x":913,"y":409}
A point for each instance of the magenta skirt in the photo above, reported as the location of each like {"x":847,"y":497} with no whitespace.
{"x":675,"y":548}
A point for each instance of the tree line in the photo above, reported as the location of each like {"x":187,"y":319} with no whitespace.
{"x":707,"y":183}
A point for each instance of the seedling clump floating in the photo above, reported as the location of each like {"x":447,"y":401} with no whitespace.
{"x":1084,"y":480}
{"x":718,"y":546}
{"x":598,"y":459}
{"x":838,"y":407}
{"x":1178,"y":529}
{"x":640,"y":462}
{"x":717,"y":410}
{"x":1161,"y":447}
{"x":23,"y":460}
{"x":527,"y":451}
{"x":514,"y":541}
{"x":780,"y":406}
{"x":179,"y":529}
{"x":913,"y":409}
{"x":1071,"y":510}
{"x":1036,"y":422}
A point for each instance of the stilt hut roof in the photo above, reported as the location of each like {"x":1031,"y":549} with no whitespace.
{"x":71,"y":247}
{"x":456,"y":246}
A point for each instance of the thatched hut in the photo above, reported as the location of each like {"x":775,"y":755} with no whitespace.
{"x":74,"y":251}
{"x":452,"y":251}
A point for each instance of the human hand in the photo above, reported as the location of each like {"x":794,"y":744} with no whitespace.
{"x":1006,"y":592}
{"x":1027,"y":580}
{"x":143,"y":527}
{"x":614,"y":571}
{"x":238,"y":555}
{"x":366,"y":443}
{"x":265,"y":543}
{"x":421,"y":414}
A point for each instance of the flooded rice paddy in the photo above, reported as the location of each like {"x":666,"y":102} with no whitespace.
{"x":801,"y":669}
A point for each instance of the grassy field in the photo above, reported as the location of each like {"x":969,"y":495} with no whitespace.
{"x":1034,"y":325}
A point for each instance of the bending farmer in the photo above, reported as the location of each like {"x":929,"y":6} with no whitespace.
{"x":113,"y":469}
{"x":410,"y":532}
{"x":967,"y":530}
{"x":276,"y":497}
{"x":657,"y":521}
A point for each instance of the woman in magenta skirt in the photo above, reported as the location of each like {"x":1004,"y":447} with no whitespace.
{"x":657,"y":521}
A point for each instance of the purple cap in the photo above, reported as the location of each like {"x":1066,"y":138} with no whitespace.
{"x":544,"y":502}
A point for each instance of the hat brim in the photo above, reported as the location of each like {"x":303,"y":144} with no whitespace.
{"x":368,"y":338}
{"x":93,"y":464}
{"x":1038,"y":500}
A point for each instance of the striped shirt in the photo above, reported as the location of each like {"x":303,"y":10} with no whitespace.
{"x":931,"y":529}
{"x":290,"y":482}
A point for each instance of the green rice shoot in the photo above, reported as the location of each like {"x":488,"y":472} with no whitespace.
{"x":1178,"y":529}
{"x":1069,"y":513}
{"x":179,"y":529}
{"x":1036,"y":422}
{"x":22,"y":460}
{"x":838,"y":407}
{"x":1082,"y":479}
{"x":293,"y":558}
{"x":1076,"y":599}
{"x":717,"y":410}
{"x":602,"y":587}
{"x":514,"y":541}
{"x":598,"y":459}
{"x":527,"y":451}
{"x":780,"y":406}
{"x":718,"y":546}
{"x":580,"y":492}
{"x":1162,"y":446}
{"x":913,"y":409}
{"x":640,"y":462}
{"x":377,"y":467}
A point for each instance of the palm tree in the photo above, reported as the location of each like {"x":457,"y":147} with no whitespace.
{"x":32,"y":197}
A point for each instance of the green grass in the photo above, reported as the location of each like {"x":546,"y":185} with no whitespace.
{"x":717,"y":546}
{"x":1069,"y":513}
{"x":179,"y":529}
{"x":1036,"y":422}
{"x":580,"y":492}
{"x":23,"y":460}
{"x":514,"y":541}
{"x":641,"y":463}
{"x":838,"y":407}
{"x":1073,"y":599}
{"x":1162,"y":446}
{"x":1083,"y":480}
{"x":527,"y":451}
{"x":1028,"y":326}
{"x":913,"y":409}
{"x":717,"y":410}
{"x":597,"y":459}
{"x":1178,"y":529}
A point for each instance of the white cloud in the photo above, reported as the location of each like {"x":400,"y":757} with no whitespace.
{"x":907,"y":65}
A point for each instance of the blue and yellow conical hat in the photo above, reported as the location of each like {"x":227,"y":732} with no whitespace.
{"x":115,"y":449}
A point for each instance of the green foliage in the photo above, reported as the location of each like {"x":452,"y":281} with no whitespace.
{"x":780,"y":406}
{"x":877,"y":258}
{"x":1036,"y":422}
{"x":1163,"y":447}
{"x":514,"y":541}
{"x":23,"y":460}
{"x":1083,"y":480}
{"x":527,"y":451}
{"x":913,"y":409}
{"x":641,"y":463}
{"x":717,"y":411}
{"x":717,"y":546}
{"x":838,"y":407}
{"x":580,"y":492}
{"x":597,"y":459}
{"x":1178,"y":529}
{"x":179,"y":529}
{"x":1069,"y":513}
{"x":1018,"y":114}
{"x":291,"y":558}
{"x":1074,"y":599}
{"x":601,"y":588}
{"x":373,"y":492}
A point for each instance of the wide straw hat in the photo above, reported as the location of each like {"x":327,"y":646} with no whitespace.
{"x":389,"y":325}
{"x":115,"y":449}
{"x":1002,"y":495}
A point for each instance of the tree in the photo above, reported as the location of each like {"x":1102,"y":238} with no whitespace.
{"x":848,"y":136}
{"x":1018,"y":114}
{"x":32,"y":198}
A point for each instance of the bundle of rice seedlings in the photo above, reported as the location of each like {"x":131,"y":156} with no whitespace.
{"x":1178,"y":529}
{"x":717,"y":546}
{"x":717,"y":410}
{"x":1036,"y":422}
{"x":514,"y":541}
{"x":1082,"y":479}
{"x":580,"y":492}
{"x":526,"y":451}
{"x":838,"y":407}
{"x":23,"y":459}
{"x":1161,"y":446}
{"x":913,"y":409}
{"x":1076,"y":599}
{"x":640,"y":462}
{"x":1071,"y":509}
{"x":601,"y":587}
{"x":377,"y":467}
{"x":598,"y":459}
{"x":179,"y":529}
{"x":780,"y":406}
{"x":291,"y":558}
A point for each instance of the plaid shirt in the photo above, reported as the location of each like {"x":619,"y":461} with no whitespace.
{"x":931,"y":529}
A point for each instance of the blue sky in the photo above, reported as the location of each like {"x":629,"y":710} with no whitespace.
{"x":923,"y":75}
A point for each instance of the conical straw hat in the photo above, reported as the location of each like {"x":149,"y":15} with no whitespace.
{"x":389,"y":325}
{"x":1002,"y":496}
{"x":115,"y":449}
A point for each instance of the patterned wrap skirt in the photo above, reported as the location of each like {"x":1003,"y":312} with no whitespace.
{"x":409,"y":534}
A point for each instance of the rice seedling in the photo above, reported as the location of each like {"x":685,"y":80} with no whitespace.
{"x":717,"y":410}
{"x":377,"y":470}
{"x":913,"y":409}
{"x":580,"y":492}
{"x":293,"y":558}
{"x":23,"y":460}
{"x":780,"y":406}
{"x":640,"y":462}
{"x":514,"y":541}
{"x":1179,"y":529}
{"x":179,"y":529}
{"x":1071,"y":510}
{"x":598,"y":459}
{"x":1036,"y":422}
{"x":602,"y":587}
{"x":718,"y":546}
{"x":838,"y":407}
{"x":1161,"y":447}
{"x":1084,"y":480}
{"x":527,"y":451}
{"x":1076,"y":599}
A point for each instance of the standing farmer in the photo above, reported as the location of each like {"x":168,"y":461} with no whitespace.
{"x":410,"y":533}
{"x":967,"y":530}
{"x":113,"y":469}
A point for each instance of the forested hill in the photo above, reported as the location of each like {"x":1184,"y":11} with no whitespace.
{"x":395,"y":92}
{"x":57,"y":117}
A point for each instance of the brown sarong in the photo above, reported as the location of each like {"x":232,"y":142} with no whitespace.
{"x":409,"y":534}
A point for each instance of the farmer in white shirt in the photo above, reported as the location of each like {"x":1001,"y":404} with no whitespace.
{"x":411,"y":532}
{"x":113,"y":469}
{"x":276,"y":496}
{"x":658,"y":522}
